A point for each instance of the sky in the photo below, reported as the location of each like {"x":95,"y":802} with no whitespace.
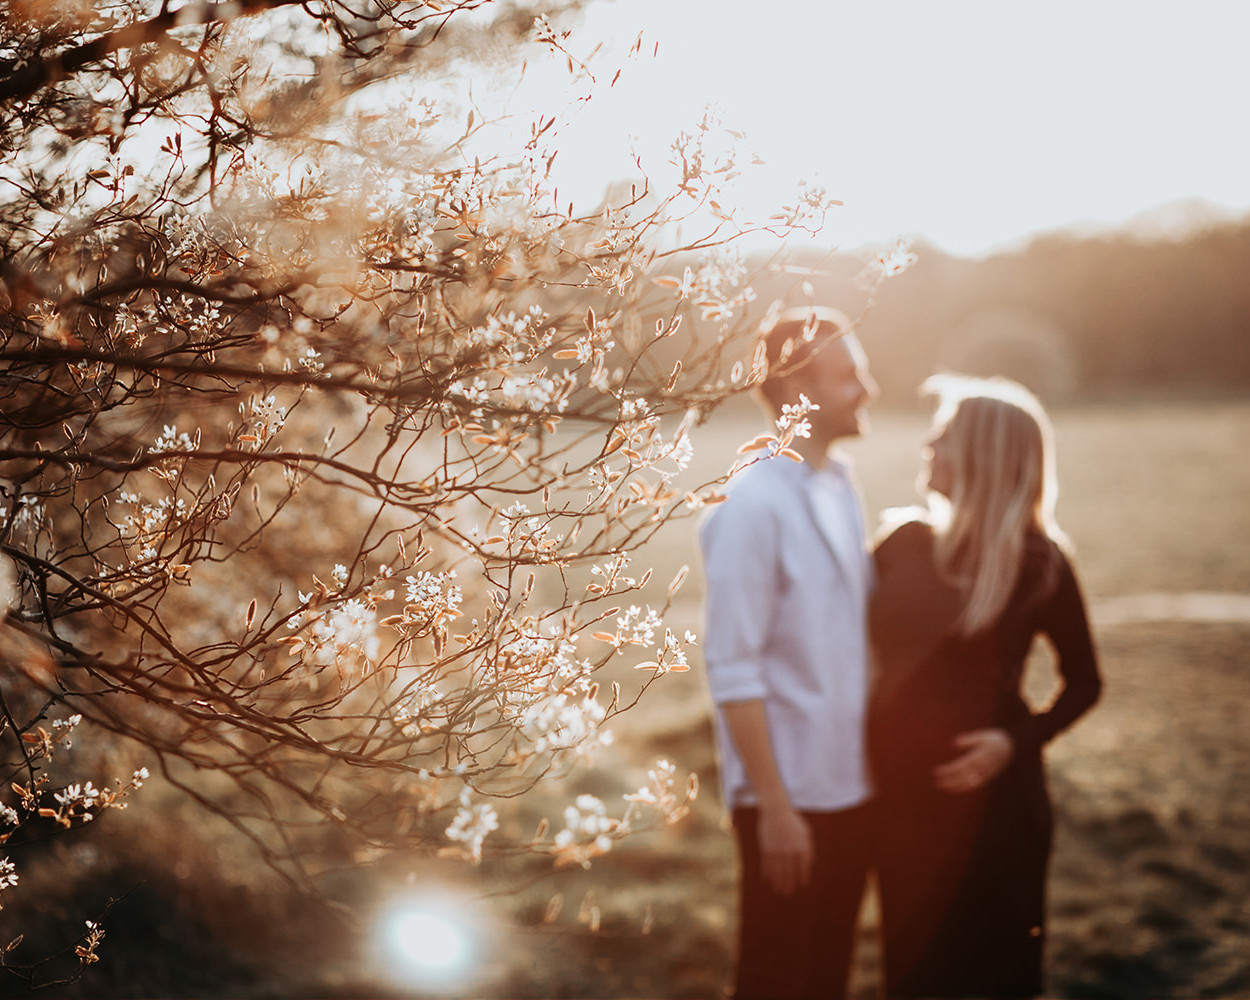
{"x":972,"y":125}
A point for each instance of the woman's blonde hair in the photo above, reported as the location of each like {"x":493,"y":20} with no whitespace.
{"x":1001,"y":450}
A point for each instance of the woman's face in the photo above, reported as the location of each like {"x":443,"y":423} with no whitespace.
{"x":937,"y":456}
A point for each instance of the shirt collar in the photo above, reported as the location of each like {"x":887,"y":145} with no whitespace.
{"x":837,"y":464}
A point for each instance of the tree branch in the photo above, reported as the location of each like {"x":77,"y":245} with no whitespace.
{"x":24,"y":80}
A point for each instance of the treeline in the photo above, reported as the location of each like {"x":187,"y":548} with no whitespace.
{"x":1072,"y":317}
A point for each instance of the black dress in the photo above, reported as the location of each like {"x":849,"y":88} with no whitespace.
{"x":962,"y":876}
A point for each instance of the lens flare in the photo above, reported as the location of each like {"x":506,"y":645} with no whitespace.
{"x":429,"y":940}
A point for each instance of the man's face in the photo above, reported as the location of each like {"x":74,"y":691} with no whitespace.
{"x":836,"y":379}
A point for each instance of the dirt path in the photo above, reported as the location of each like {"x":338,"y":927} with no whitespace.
{"x":1190,"y":606}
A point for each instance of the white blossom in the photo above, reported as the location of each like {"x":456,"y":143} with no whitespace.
{"x":431,"y":599}
{"x":263,"y":418}
{"x":682,"y":452}
{"x":10,"y":592}
{"x":170,"y":439}
{"x":887,"y":263}
{"x":29,"y":514}
{"x":587,"y":830}
{"x":660,"y":796}
{"x":311,"y":362}
{"x":563,"y":721}
{"x":412,"y":715}
{"x":472,"y":825}
{"x":347,"y":633}
{"x":638,"y":626}
{"x":8,"y":873}
{"x":477,"y":392}
{"x":658,"y":792}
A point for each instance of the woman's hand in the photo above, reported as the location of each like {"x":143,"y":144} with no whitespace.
{"x":986,"y":752}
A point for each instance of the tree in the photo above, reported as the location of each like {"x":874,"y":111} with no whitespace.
{"x":327,"y":433}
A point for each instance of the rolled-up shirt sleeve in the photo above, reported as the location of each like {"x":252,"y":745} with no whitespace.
{"x":740,"y":556}
{"x":785,"y":626}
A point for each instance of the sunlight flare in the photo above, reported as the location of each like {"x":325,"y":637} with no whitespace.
{"x":428,"y":939}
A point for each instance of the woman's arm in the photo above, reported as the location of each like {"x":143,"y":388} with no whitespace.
{"x":1066,"y":625}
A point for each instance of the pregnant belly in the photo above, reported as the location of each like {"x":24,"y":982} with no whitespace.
{"x":909,"y":737}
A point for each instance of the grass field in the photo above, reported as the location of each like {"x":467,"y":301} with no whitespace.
{"x":1150,"y":892}
{"x":1150,"y":895}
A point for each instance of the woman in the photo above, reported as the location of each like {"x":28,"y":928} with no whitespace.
{"x":962,"y":591}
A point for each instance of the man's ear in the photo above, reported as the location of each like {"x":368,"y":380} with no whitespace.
{"x":765,"y":391}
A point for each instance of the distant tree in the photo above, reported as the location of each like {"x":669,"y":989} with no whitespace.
{"x":325,"y":432}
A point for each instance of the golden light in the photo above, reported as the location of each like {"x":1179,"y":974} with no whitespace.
{"x":430,"y":940}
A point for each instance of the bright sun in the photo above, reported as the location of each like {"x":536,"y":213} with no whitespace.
{"x":428,"y":940}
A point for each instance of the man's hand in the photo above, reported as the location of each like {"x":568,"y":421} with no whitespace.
{"x":985,"y":753}
{"x":787,"y":850}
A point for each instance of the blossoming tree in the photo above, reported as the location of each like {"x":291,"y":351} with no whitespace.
{"x":327,"y":430}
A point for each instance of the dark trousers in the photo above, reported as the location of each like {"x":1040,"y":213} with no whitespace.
{"x":799,"y":947}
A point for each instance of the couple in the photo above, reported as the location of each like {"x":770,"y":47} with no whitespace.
{"x":929,"y":773}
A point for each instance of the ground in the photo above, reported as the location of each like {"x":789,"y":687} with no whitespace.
{"x":1150,"y":891}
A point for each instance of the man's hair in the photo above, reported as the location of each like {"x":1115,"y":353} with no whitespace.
{"x":791,"y":337}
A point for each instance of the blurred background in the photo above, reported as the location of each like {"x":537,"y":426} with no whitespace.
{"x":1075,"y":183}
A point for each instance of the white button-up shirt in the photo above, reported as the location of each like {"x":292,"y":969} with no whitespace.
{"x":788,"y":577}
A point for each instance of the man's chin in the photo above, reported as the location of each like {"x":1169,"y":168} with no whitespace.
{"x":852,"y":427}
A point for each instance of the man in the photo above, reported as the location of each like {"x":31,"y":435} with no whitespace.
{"x":786,"y":651}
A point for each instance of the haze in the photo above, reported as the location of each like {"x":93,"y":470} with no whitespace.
{"x":972,"y":124}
